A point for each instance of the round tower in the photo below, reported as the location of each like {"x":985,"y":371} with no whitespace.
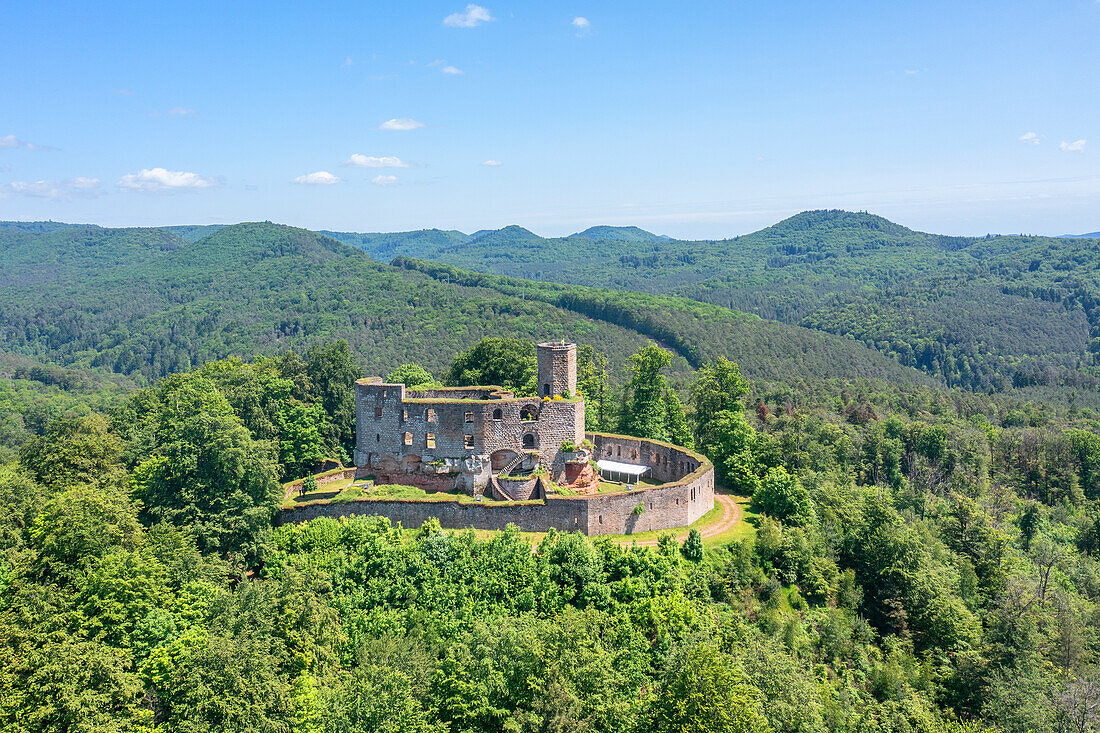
{"x":557,"y":368}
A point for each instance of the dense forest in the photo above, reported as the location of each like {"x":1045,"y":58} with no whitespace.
{"x":147,"y":302}
{"x":918,"y":553}
{"x":985,"y":313}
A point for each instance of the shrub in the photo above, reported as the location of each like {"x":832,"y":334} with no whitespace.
{"x":309,"y":485}
{"x":638,"y":510}
{"x":693,"y":546}
{"x":569,"y":446}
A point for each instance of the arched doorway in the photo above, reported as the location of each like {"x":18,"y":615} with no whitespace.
{"x":530,"y":441}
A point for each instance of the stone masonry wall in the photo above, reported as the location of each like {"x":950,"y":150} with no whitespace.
{"x":460,"y":428}
{"x":557,"y":369}
{"x":683,"y":500}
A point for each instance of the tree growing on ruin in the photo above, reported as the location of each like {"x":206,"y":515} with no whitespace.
{"x":507,"y":363}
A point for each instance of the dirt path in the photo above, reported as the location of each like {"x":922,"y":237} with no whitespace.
{"x":731,"y":515}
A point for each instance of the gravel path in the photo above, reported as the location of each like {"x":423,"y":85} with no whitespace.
{"x":731,"y":515}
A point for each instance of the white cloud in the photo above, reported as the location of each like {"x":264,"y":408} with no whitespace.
{"x":384,"y":180}
{"x":401,"y":123}
{"x":69,"y":188}
{"x":182,"y":111}
{"x":152,"y":180}
{"x":347,"y":61}
{"x":582,"y":25}
{"x":475,"y":15}
{"x":1030,"y":137}
{"x":1076,"y":146}
{"x":358,"y":160}
{"x":123,"y":92}
{"x":320,"y":178}
{"x":83,"y":184}
{"x":912,"y":72}
{"x":11,"y":141}
{"x":451,"y":70}
{"x":492,"y":163}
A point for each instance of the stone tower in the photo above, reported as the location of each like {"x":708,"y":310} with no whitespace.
{"x":557,"y":368}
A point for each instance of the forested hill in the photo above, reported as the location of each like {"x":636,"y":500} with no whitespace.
{"x":148,"y":302}
{"x":979,"y":312}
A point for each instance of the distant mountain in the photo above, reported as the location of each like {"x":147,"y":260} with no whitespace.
{"x":41,"y":227}
{"x":505,"y":235}
{"x":145,"y":301}
{"x":1090,"y":235}
{"x":620,"y":234}
{"x":193,"y":232}
{"x":383,"y":246}
{"x":957,"y":307}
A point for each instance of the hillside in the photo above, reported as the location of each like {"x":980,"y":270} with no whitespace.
{"x":981,"y":313}
{"x":619,"y":234}
{"x":147,"y":302}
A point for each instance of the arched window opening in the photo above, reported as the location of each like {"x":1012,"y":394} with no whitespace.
{"x":528,"y":440}
{"x":527,"y":412}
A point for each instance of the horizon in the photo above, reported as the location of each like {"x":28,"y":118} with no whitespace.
{"x":701,"y":123}
{"x":319,"y":230}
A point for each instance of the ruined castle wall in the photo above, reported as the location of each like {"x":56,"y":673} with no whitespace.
{"x":567,"y":515}
{"x":687,"y":496}
{"x":667,"y":462}
{"x":557,"y":369}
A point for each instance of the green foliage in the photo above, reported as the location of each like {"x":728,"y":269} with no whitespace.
{"x":784,"y":497}
{"x":718,"y":388}
{"x":332,"y":375}
{"x":301,"y":447}
{"x":73,"y":451}
{"x":410,"y":375}
{"x":204,"y":471}
{"x":925,"y":556}
{"x":593,"y":383}
{"x":693,"y":546}
{"x":704,"y":692}
{"x":507,"y":363}
{"x":651,"y":409}
{"x":148,"y":303}
{"x":980,"y":313}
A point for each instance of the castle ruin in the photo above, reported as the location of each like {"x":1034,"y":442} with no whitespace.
{"x":483,"y":440}
{"x":520,"y":453}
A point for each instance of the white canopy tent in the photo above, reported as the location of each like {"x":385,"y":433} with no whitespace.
{"x":627,"y":473}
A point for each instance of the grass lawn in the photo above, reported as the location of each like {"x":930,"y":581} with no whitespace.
{"x":324,"y":491}
{"x":339,"y":492}
{"x":614,"y":487}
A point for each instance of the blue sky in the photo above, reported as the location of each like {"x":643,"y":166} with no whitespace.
{"x":691,"y":119}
